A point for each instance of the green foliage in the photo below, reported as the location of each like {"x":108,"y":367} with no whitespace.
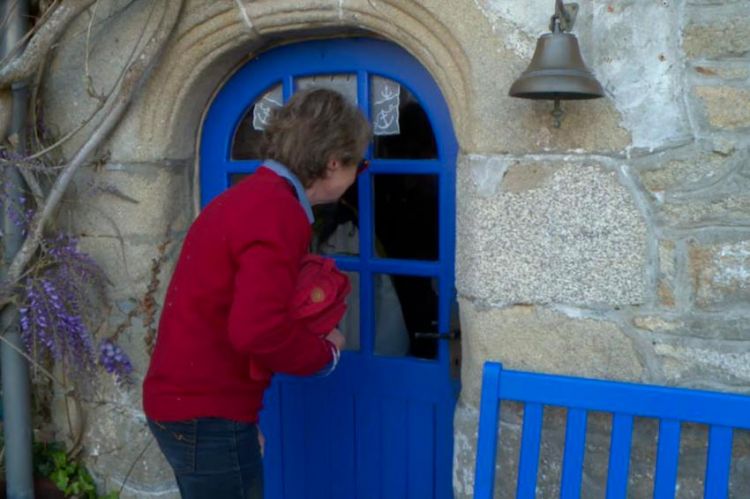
{"x":50,"y":460}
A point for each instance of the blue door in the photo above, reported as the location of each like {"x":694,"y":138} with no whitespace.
{"x":381,"y":426}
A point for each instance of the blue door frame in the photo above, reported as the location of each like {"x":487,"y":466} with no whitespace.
{"x":379,"y":426}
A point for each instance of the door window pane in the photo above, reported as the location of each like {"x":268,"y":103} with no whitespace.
{"x":236,"y":178}
{"x":336,"y":233}
{"x":401,"y":127}
{"x":247,"y":137}
{"x":406,"y":216}
{"x":406,"y":313}
{"x":336,"y":228}
{"x":345,"y":84}
{"x":349,"y":325}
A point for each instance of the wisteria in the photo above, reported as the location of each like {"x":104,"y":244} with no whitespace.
{"x":50,"y":320}
{"x":60,"y":302}
{"x":63,"y":295}
{"x":115,"y":361}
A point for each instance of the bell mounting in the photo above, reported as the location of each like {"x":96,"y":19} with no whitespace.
{"x":566,"y":14}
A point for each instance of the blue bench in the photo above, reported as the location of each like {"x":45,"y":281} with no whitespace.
{"x":722,"y":412}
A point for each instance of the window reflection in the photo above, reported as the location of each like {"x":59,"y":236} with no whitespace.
{"x":404,"y":307}
{"x":406,"y":215}
{"x":236,"y":178}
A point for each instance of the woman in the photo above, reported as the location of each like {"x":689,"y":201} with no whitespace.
{"x":227,"y":303}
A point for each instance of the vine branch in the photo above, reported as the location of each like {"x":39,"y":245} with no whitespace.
{"x":115,"y":108}
{"x":23,"y":65}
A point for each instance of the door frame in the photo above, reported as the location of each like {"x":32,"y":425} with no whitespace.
{"x":363,"y":57}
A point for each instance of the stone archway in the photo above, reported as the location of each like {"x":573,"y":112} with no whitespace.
{"x":209,"y":46}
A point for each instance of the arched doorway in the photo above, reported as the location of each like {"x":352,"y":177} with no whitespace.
{"x":381,"y":424}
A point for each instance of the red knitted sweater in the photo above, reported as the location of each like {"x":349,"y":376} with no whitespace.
{"x":227,"y":306}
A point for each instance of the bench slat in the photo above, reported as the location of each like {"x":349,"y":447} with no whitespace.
{"x":718,"y":461}
{"x":619,"y":456}
{"x":652,"y":401}
{"x":489,"y":414}
{"x":667,"y":459}
{"x":528,"y":465}
{"x":575,"y":445}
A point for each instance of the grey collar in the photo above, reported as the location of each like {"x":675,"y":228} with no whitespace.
{"x":284,"y":172}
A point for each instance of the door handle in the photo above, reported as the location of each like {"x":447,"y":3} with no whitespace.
{"x":451,"y":335}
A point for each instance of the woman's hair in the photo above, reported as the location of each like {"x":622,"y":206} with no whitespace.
{"x":315,"y":126}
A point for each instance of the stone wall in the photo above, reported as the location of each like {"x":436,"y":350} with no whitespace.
{"x":632,"y":264}
{"x":617,"y":246}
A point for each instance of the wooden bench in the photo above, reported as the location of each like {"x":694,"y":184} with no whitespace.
{"x":722,"y":412}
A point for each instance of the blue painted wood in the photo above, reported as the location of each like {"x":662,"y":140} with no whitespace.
{"x":667,"y":459}
{"x":343,"y":457}
{"x":443,"y":468}
{"x":641,"y":400}
{"x":390,"y":266}
{"x":287,"y":89}
{"x":293,"y":434}
{"x":670,"y":406}
{"x":489,"y":416}
{"x":315,"y":448}
{"x":395,"y":448}
{"x":405,"y":166}
{"x":575,"y":445}
{"x":273,"y":463}
{"x":718,"y":462}
{"x":362,"y":380}
{"x":366,"y":298}
{"x":369,"y":447}
{"x":528,"y":463}
{"x":421,"y":461}
{"x":619,"y":456}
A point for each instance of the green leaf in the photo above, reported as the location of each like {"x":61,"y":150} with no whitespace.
{"x":75,"y":488}
{"x":60,"y":478}
{"x":59,"y":458}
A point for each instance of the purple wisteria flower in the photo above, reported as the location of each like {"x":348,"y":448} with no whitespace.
{"x":115,"y":361}
{"x":51,"y":323}
{"x":59,"y":303}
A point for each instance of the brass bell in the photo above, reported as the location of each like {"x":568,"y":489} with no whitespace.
{"x":557,"y":71}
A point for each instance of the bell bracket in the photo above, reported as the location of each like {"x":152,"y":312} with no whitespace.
{"x":566,"y":13}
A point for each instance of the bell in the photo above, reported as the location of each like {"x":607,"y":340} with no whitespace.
{"x":557,"y":72}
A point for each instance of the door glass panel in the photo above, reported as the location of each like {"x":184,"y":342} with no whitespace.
{"x":400,"y":125}
{"x":406,"y":216}
{"x":236,"y":178}
{"x":345,"y":84}
{"x":349,"y":325}
{"x":406,"y":313}
{"x":336,"y":228}
{"x":247,"y":137}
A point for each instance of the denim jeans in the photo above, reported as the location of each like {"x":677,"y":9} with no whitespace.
{"x":212,"y":458}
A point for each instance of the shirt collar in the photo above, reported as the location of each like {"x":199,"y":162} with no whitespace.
{"x":284,"y":172}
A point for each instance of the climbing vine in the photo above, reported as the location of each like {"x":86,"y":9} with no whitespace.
{"x":57,"y":293}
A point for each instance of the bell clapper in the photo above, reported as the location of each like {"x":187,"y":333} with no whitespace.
{"x":557,"y":113}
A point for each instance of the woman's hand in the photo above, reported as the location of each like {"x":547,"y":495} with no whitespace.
{"x":336,"y":338}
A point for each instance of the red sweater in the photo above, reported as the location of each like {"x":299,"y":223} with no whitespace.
{"x":228,"y":306}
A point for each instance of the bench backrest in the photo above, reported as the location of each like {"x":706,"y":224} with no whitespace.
{"x":722,"y":412}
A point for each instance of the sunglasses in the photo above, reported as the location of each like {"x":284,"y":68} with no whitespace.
{"x":362,"y":166}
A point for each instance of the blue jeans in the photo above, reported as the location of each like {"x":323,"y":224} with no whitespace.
{"x":212,"y":458}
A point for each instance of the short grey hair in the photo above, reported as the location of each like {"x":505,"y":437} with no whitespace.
{"x":315,"y":126}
